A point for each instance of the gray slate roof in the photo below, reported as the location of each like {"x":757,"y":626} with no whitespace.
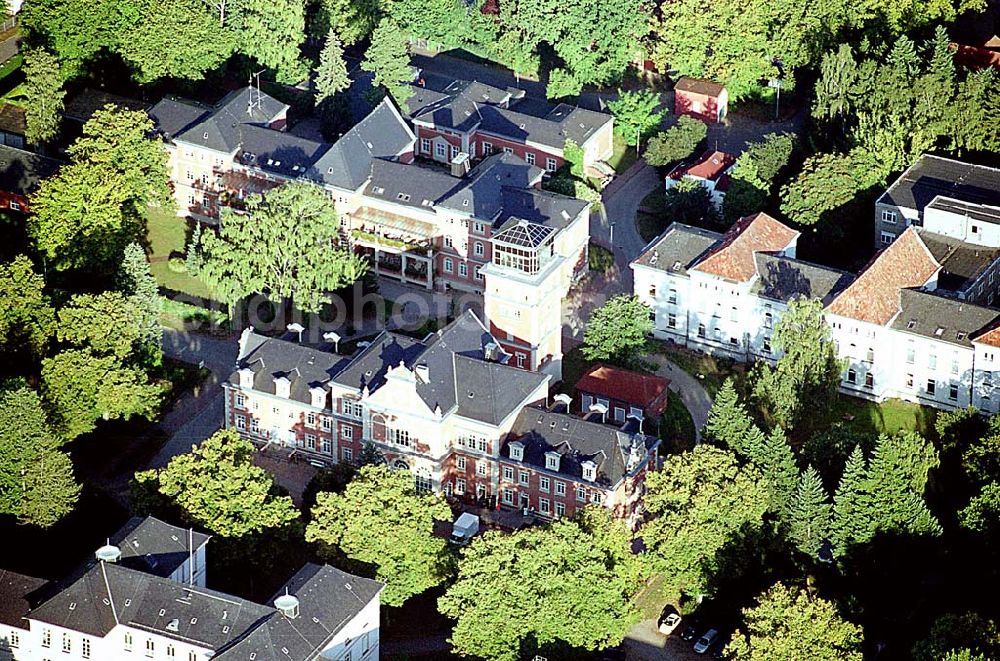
{"x":304,"y":365}
{"x":931,"y":176}
{"x":960,"y":261}
{"x":539,"y":206}
{"x":172,"y":115}
{"x":109,"y":593}
{"x":223,"y":128}
{"x":783,"y":278}
{"x":679,"y":248}
{"x":279,"y":152}
{"x":368,"y":368}
{"x":940,"y":318}
{"x":156,"y":547}
{"x":481,"y":193}
{"x":463,"y":105}
{"x":409,"y":185}
{"x":21,"y":171}
{"x":17,"y":594}
{"x":383,"y":134}
{"x":576,"y":440}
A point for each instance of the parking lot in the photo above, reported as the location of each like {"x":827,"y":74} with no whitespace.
{"x":645,"y":643}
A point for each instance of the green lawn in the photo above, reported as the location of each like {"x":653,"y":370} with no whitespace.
{"x":622,"y":156}
{"x":167,"y":235}
{"x":890,"y":416}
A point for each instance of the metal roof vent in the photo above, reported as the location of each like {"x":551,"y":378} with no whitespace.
{"x":109,"y":553}
{"x":288,"y":605}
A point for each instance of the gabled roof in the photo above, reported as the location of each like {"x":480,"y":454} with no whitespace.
{"x":990,"y":336}
{"x":733,"y":258}
{"x":409,"y":185}
{"x":641,"y":390}
{"x":22,"y":171}
{"x":538,"y":206}
{"x":961,"y":262}
{"x":368,"y":368}
{"x":17,"y":594}
{"x":156,"y":547}
{"x":874,"y":296}
{"x":223,"y":128}
{"x":382,"y":134}
{"x":481,"y":193}
{"x":712,"y":166}
{"x":783,"y":279}
{"x":931,"y":176}
{"x":172,"y":115}
{"x":941,"y":318}
{"x":699,"y":86}
{"x":678,"y":248}
{"x":576,"y":440}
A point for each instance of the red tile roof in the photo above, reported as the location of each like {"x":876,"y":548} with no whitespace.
{"x":975,"y":58}
{"x":874,"y":295}
{"x":639,"y":389}
{"x":990,"y":337}
{"x":733,"y":257}
{"x":712,"y":165}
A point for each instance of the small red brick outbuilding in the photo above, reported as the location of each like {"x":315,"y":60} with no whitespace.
{"x":701,"y":98}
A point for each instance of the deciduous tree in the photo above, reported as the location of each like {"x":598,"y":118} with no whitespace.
{"x":699,"y":503}
{"x":690,"y":203}
{"x":271,"y":32}
{"x":286,"y":245}
{"x":790,"y":624}
{"x":44,"y":94}
{"x":677,"y":143}
{"x":754,"y":177}
{"x":513,"y":590}
{"x":807,"y":374}
{"x":218,"y":487}
{"x":405,"y":553}
{"x":617,"y":331}
{"x":27,"y":320}
{"x":637,"y":114}
{"x":36,"y":479}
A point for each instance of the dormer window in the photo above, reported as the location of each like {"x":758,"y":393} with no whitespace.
{"x":246,"y":378}
{"x":517,"y":451}
{"x":589,"y":470}
{"x":552,"y":461}
{"x":282,"y":387}
{"x":318,"y":397}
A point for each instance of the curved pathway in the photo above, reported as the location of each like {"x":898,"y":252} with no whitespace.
{"x":689,"y":389}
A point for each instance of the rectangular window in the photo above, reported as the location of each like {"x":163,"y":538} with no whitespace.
{"x":67,"y":643}
{"x":909,"y":380}
{"x":326,"y":424}
{"x":887,"y":238}
{"x":543,"y":506}
{"x":128,"y":642}
{"x":581,"y":494}
{"x":454,"y":152}
{"x":171,"y":652}
{"x":852,"y":376}
{"x":932,"y":361}
{"x":481,"y":444}
{"x":311,"y":419}
{"x":888,"y":216}
{"x":672,"y":297}
{"x":449,"y":266}
{"x":347,"y":454}
{"x":869,"y":380}
{"x":240,"y":401}
{"x":241,"y":422}
{"x":560,"y":488}
{"x":954,"y":362}
{"x":911,"y":353}
{"x":931,"y":386}
{"x":398,"y":437}
{"x":311,"y":441}
{"x":508,"y":473}
{"x":326,"y":446}
{"x":550,"y":164}
{"x":529,"y":157}
{"x":560,"y":510}
{"x":351,"y":408}
{"x":987,"y":378}
{"x":347,"y":432}
{"x":766,"y":344}
{"x":522,"y":478}
{"x":543,"y":484}
{"x":440,"y":150}
{"x":463,"y":269}
{"x":460,"y":486}
{"x":425,"y":146}
{"x":460,"y":463}
{"x":482,"y":468}
{"x":953,"y":392}
{"x":671,"y":320}
{"x":701,"y":330}
{"x":487,"y":148}
{"x":508,"y":150}
{"x":508,"y":497}
{"x":596,"y":497}
{"x":150,"y":648}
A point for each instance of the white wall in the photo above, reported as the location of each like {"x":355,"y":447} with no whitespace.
{"x":359,"y":639}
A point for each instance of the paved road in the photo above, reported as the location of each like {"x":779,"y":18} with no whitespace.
{"x":621,"y":201}
{"x":689,"y":389}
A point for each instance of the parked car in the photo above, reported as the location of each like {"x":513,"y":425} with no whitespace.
{"x":706,"y":641}
{"x":464,"y":529}
{"x":670,"y":619}
{"x":719,"y":652}
{"x":690,"y":632}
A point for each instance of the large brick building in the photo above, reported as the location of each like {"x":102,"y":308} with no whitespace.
{"x":442,"y":407}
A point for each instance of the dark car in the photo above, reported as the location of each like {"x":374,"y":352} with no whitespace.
{"x":719,"y":651}
{"x":690,"y":632}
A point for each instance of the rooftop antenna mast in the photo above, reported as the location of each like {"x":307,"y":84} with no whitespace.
{"x":251,"y":104}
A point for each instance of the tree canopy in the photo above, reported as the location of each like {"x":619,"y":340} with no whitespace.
{"x":27,"y":320}
{"x":637,"y":114}
{"x":790,"y":624}
{"x":617,"y":330}
{"x":44,"y":94}
{"x":286,"y":246}
{"x":677,"y":143}
{"x":570,"y":582}
{"x":388,"y":58}
{"x":218,"y":487}
{"x":331,"y":74}
{"x":406,"y":555}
